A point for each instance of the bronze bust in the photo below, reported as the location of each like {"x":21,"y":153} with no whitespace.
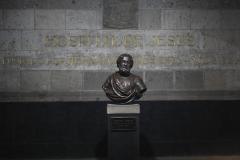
{"x":123,"y":86}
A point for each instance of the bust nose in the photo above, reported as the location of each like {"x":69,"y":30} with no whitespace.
{"x":124,"y":64}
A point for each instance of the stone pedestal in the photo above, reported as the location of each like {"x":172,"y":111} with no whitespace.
{"x":123,"y":131}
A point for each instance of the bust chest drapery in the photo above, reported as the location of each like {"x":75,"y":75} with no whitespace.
{"x":123,"y":89}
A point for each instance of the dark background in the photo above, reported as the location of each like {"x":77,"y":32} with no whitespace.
{"x":79,"y":129}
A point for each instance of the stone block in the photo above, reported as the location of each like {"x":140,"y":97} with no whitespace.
{"x":158,"y":80}
{"x":43,"y":39}
{"x":19,"y":19}
{"x":68,"y":4}
{"x":82,"y":19}
{"x":205,"y":19}
{"x":65,"y":80}
{"x":230,"y":19}
{"x":1,"y":19}
{"x":50,"y":19}
{"x":32,"y":39}
{"x":10,"y":4}
{"x":9,"y":80}
{"x":221,"y":39}
{"x":35,"y":80}
{"x":28,"y":4}
{"x":214,"y":79}
{"x":175,"y":19}
{"x":163,"y":4}
{"x":189,"y":79}
{"x":50,"y":4}
{"x":230,"y":4}
{"x":149,"y":19}
{"x":10,"y":40}
{"x":118,"y":14}
{"x":84,"y":4}
{"x":232,"y":79}
{"x":204,"y":4}
{"x":19,"y":4}
{"x":93,"y":80}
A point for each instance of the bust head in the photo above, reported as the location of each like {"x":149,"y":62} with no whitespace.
{"x":124,"y":64}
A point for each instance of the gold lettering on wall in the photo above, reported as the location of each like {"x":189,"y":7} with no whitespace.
{"x":107,"y":41}
{"x":172,"y":40}
{"x":56,"y":41}
{"x":108,"y":59}
{"x":74,"y":41}
{"x":85,"y":41}
{"x":113,"y":41}
{"x":157,"y":41}
{"x":98,"y":41}
{"x":132,"y":41}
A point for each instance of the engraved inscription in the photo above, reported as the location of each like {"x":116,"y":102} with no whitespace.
{"x":115,"y":41}
{"x":172,"y":40}
{"x":141,"y":61}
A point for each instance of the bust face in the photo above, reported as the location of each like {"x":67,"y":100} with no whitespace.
{"x":124,"y":65}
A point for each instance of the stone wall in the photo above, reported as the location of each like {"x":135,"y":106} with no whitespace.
{"x":63,"y":50}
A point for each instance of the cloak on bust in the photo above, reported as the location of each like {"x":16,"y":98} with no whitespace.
{"x":123,"y":86}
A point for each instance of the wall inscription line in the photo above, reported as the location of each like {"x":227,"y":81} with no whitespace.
{"x":115,"y":41}
{"x":98,"y":60}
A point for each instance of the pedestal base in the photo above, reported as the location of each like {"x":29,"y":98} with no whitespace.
{"x":123,"y":131}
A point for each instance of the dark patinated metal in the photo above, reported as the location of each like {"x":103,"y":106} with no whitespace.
{"x":123,"y":86}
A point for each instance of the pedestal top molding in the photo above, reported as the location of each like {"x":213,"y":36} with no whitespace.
{"x":123,"y":109}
